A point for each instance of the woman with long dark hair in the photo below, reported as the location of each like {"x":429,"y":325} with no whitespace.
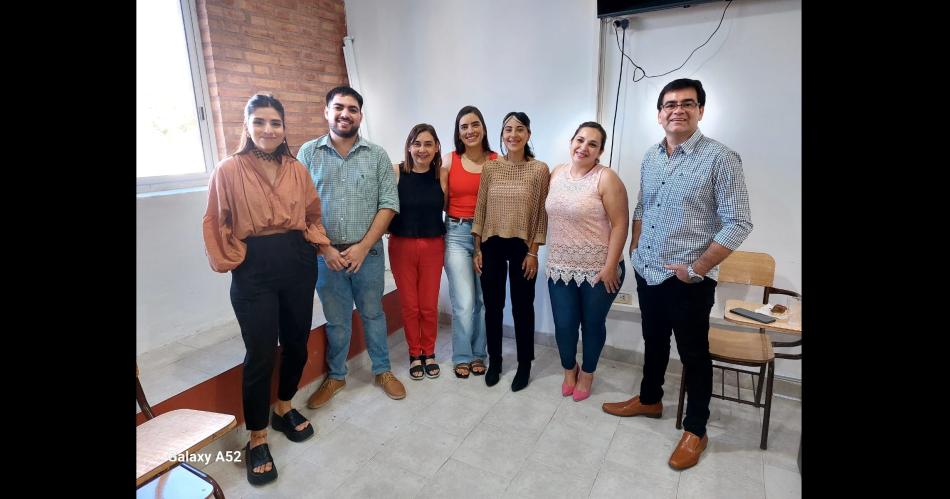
{"x":510,"y":225}
{"x":263,"y":225}
{"x":462,"y":171}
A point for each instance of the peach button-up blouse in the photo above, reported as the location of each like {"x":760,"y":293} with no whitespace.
{"x":242,"y":203}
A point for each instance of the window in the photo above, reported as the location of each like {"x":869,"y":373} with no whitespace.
{"x":175,"y":145}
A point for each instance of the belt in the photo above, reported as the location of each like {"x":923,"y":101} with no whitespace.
{"x":341,"y":247}
{"x":461,"y":220}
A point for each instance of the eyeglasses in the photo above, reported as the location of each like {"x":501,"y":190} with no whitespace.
{"x":687,"y":105}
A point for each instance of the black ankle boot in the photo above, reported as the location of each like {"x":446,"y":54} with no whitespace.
{"x":493,"y":373}
{"x":521,"y":377}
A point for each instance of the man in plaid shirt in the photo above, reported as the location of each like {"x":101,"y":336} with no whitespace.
{"x":357,"y":188}
{"x":692,"y":212}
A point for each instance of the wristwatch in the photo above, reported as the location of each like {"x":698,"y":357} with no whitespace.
{"x":693,"y":276}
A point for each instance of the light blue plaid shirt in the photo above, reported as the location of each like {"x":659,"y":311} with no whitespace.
{"x":352,"y":189}
{"x":686,"y":202}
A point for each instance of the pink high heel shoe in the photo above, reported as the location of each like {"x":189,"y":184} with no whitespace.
{"x":582,"y":394}
{"x":567,"y":390}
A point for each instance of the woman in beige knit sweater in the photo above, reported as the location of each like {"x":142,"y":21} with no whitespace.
{"x":510,"y":224}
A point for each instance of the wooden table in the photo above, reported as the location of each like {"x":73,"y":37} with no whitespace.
{"x":780,"y":325}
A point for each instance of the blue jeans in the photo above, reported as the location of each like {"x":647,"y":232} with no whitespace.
{"x":583,"y":306}
{"x":465,"y":290}
{"x":338,"y":291}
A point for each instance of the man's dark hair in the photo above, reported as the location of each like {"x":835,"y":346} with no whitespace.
{"x":679,"y":85}
{"x":344,"y":90}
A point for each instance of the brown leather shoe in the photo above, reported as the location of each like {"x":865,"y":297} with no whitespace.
{"x":327,"y":390}
{"x":392,"y":386}
{"x":633,"y":407}
{"x":688,"y":450}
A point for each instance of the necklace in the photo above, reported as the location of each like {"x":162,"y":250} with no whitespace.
{"x":267,"y":156}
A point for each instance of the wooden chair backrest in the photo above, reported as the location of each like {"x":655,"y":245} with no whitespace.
{"x":746,"y":267}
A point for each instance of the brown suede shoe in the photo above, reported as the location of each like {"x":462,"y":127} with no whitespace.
{"x":327,"y":390}
{"x":633,"y":407}
{"x":688,"y":450}
{"x":392,"y":386}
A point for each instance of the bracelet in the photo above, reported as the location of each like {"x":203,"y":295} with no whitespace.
{"x":532,"y":254}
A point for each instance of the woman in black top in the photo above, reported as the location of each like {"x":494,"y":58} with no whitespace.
{"x":417,"y":247}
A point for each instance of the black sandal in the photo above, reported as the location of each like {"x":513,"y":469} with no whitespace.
{"x":432,"y":370}
{"x":479,"y":363}
{"x":259,"y":456}
{"x":288,"y":423}
{"x":417,"y":372}
{"x":462,"y":365}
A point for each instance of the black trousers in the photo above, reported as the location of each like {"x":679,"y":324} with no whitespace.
{"x":683,"y":309}
{"x":272,"y":295}
{"x":502,"y":256}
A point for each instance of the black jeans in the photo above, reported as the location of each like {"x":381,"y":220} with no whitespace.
{"x":683,"y":309}
{"x":272,"y":295}
{"x":500,"y":256}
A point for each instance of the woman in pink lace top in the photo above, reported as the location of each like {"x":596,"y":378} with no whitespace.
{"x":587,"y":228}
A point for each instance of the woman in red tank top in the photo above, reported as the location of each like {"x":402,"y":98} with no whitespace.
{"x":462,"y":172}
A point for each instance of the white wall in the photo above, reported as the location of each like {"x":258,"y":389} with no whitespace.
{"x":423,"y":60}
{"x":751,"y":71}
{"x":177,"y":293}
{"x":420,"y":61}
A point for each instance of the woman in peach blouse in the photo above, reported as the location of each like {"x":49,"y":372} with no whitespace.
{"x":263,"y":225}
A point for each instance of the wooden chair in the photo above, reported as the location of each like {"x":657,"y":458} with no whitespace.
{"x":161,"y":438}
{"x":742,"y":348}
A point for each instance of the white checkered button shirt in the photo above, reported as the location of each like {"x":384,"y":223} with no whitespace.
{"x":686,"y":202}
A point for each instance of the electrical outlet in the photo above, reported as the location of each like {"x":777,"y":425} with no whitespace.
{"x":624,"y":298}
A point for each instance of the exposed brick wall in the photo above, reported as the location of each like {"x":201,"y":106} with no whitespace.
{"x":292,"y":48}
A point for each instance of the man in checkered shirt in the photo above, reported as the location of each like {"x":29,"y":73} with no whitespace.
{"x":692,"y":212}
{"x":357,"y":187}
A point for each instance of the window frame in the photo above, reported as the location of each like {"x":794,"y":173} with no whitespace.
{"x":199,"y":81}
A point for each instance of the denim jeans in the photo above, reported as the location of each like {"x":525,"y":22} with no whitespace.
{"x":465,"y":290}
{"x":338,"y":291}
{"x":584,"y":307}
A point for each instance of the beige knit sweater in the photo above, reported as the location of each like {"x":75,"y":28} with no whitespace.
{"x":511,"y":200}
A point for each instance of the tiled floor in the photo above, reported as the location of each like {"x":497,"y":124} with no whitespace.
{"x":459,"y":438}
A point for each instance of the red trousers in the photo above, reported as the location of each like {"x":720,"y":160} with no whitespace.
{"x":416,"y":263}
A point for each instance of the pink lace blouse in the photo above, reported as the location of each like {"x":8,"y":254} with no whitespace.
{"x":578,"y":227}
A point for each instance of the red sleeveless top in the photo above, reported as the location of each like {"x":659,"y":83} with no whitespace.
{"x":463,"y":188}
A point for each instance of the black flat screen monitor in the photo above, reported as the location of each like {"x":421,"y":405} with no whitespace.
{"x":616,"y":8}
